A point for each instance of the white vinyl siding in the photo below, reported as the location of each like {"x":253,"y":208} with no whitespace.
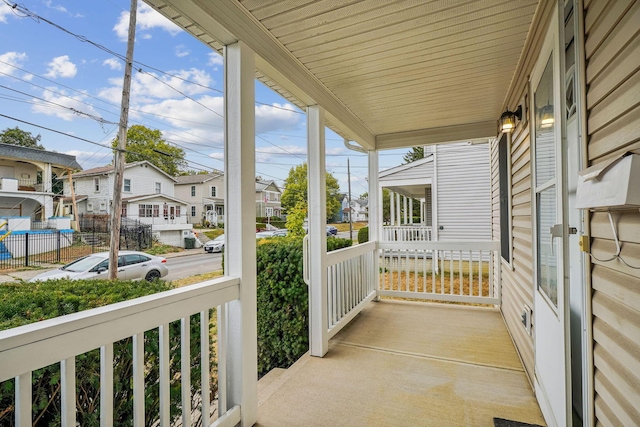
{"x":464,"y":192}
{"x":613,"y":109}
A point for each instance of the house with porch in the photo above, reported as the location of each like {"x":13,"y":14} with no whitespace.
{"x":268,"y":196}
{"x":444,"y":196}
{"x":205,"y":195}
{"x":357,"y":211}
{"x":552,"y":86}
{"x":147,"y":196}
{"x":26,"y":184}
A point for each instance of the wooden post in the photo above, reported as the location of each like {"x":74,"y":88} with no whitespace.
{"x":375,"y":215}
{"x":116,"y":210}
{"x":240,"y":245}
{"x":318,"y":317}
{"x":74,"y":223}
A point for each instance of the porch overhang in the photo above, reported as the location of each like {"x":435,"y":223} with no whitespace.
{"x":387,"y":75}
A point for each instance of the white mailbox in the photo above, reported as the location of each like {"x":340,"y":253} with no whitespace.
{"x":614,"y":184}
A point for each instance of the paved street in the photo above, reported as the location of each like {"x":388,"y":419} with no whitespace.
{"x":193,"y":264}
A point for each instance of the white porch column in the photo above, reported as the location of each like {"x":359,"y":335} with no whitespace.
{"x":318,"y":320}
{"x":406,"y":209}
{"x":421,"y":212}
{"x":398,"y":210}
{"x":240,"y":246}
{"x":410,"y":211}
{"x":392,"y":208}
{"x":375,"y":214}
{"x":47,"y":174}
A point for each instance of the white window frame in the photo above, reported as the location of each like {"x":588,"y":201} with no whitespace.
{"x":213,"y":191}
{"x":193,"y":191}
{"x":158,"y":188}
{"x":193,"y":211}
{"x":508,"y":262}
{"x":126,"y":183}
{"x":89,"y":207}
{"x":96,"y":184}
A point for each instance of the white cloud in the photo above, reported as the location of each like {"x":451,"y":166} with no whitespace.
{"x":147,"y":88}
{"x":215,"y":59}
{"x":146,"y":19}
{"x":62,"y":98}
{"x":113,"y":63}
{"x":10,"y":60}
{"x":92,"y":159}
{"x":182,"y":51}
{"x":5,"y":10}
{"x":61,"y":66}
{"x":276,"y":117}
{"x":57,"y":7}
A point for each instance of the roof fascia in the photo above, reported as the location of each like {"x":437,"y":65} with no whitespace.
{"x":439,"y":135}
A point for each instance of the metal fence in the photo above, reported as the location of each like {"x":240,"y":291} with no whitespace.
{"x":38,"y":247}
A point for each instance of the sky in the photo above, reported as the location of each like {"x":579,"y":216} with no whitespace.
{"x":65,"y":75}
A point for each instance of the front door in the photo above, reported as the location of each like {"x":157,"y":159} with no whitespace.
{"x":550,"y":234}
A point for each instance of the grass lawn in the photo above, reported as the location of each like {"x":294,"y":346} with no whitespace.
{"x":344,"y":226}
{"x":212,"y":234}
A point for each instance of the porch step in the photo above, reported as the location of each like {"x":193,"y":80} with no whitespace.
{"x":276,"y":377}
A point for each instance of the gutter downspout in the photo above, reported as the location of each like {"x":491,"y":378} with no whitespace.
{"x":354,"y":147}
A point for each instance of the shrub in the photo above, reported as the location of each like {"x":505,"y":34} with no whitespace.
{"x":283,"y":301}
{"x":363,"y":235}
{"x":24,"y":303}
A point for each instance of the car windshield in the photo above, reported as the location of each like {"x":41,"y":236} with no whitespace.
{"x":219,"y":238}
{"x":83,"y":264}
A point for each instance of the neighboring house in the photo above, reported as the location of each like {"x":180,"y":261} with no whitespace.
{"x":268,"y":196}
{"x":26,"y":183}
{"x":147,"y":196}
{"x":453,"y":185}
{"x":204,"y":194}
{"x":359,"y":210}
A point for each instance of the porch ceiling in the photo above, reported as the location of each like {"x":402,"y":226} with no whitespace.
{"x":389,"y":74}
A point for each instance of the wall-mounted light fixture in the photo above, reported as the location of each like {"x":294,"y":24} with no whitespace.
{"x":546,"y":116}
{"x":508,"y":119}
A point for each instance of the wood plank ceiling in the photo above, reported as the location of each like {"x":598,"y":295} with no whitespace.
{"x":397,"y":66}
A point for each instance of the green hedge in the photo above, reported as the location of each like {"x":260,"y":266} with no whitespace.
{"x":363,"y":235}
{"x":283,"y":301}
{"x":24,"y":303}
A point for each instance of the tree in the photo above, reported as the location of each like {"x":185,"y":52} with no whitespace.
{"x":416,"y":153}
{"x":295,"y":190}
{"x":147,"y":144}
{"x":17,"y":136}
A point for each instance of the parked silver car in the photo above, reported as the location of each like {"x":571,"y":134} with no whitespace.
{"x":215,"y":245}
{"x":132,"y":265}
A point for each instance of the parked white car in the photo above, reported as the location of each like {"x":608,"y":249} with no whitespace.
{"x":215,"y":245}
{"x":132,"y":265}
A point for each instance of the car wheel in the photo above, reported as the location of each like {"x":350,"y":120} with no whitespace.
{"x":152,"y":275}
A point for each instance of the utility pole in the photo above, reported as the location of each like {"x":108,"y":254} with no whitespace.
{"x":350,"y":211}
{"x":116,"y":211}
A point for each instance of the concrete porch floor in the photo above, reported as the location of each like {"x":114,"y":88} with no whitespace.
{"x":405,"y":364}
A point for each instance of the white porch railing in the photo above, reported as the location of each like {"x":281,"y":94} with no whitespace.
{"x":351,"y":283}
{"x":442,"y":271}
{"x":59,"y":340}
{"x":406,"y":233}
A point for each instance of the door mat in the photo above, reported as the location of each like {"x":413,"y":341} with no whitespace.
{"x":501,"y":422}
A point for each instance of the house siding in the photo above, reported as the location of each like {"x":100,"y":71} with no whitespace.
{"x":517,"y":278}
{"x":464,"y":182}
{"x":612,"y":49}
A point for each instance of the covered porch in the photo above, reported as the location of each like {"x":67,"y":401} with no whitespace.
{"x":404,"y":363}
{"x":385,"y":76}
